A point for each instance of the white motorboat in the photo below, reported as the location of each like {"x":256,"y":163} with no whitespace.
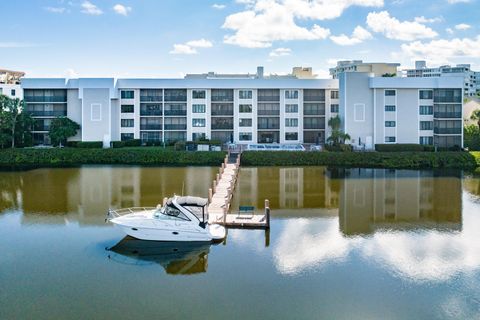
{"x":179,"y":219}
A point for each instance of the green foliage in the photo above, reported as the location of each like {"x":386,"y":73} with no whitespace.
{"x":394,"y":160}
{"x":389,"y":75}
{"x":72,"y":144}
{"x":475,"y":116}
{"x":133,"y":143}
{"x":61,"y":129}
{"x":402,"y":147}
{"x":61,"y":157}
{"x":90,"y":144}
{"x":471,"y":137}
{"x":117,"y":144}
{"x":12,"y":118}
{"x":337,"y":136}
{"x":180,"y":145}
{"x":339,"y":148}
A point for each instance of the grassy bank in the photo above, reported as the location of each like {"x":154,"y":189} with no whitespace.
{"x":55,"y":157}
{"x":394,"y":160}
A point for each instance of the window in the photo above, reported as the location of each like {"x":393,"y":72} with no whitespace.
{"x":127,"y":94}
{"x":426,"y":125}
{"x":245,"y":94}
{"x":390,"y":108}
{"x":390,"y":124}
{"x":96,"y":112}
{"x":334,"y":108}
{"x":198,"y":94}
{"x":245,"y":136}
{"x":426,"y":94}
{"x":175,"y":95}
{"x":291,"y":94}
{"x":198,"y":136}
{"x":127,"y":108}
{"x":289,"y":136}
{"x":198,"y":108}
{"x":126,"y":123}
{"x":245,"y":122}
{"x":12,"y":92}
{"x":448,"y":95}
{"x":426,"y":110}
{"x":291,"y":108}
{"x":390,"y":139}
{"x":426,"y":140}
{"x":126,"y":136}
{"x":390,"y":93}
{"x":334,"y":94}
{"x":291,"y":122}
{"x":359,"y":112}
{"x":198,"y":122}
{"x":314,"y":109}
{"x":245,"y":108}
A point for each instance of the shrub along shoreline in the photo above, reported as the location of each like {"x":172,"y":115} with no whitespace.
{"x":155,"y":156}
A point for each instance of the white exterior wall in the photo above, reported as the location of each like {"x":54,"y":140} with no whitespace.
{"x":8,"y":89}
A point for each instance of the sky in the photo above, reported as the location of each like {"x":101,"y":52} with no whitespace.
{"x":169,"y":38}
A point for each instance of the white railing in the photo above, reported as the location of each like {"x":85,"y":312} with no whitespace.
{"x":115,"y":213}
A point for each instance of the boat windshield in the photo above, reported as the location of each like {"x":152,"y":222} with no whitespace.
{"x":172,"y":212}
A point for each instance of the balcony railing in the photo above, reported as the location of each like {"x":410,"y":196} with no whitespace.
{"x":262,"y":126}
{"x":316,"y":126}
{"x":151,"y":98}
{"x":150,"y":127}
{"x":41,"y":128}
{"x":447,"y":130}
{"x":314,"y":112}
{"x":268,"y":112}
{"x":269,"y":98}
{"x":150,"y":112}
{"x":447,"y":115}
{"x":222,"y":112}
{"x":45,"y":99}
{"x":314,"y":98}
{"x":175,"y":127}
{"x":222,"y":126}
{"x":175,"y":112}
{"x":47,"y":113}
{"x":179,"y":98}
{"x":222,"y":98}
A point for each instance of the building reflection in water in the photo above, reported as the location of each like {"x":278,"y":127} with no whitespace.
{"x":183,"y":258}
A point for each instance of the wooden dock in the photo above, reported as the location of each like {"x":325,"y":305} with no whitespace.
{"x":220,"y":197}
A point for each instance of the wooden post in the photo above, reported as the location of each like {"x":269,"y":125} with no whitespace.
{"x":217,"y":178}
{"x":222,"y":168}
{"x":210,"y":195}
{"x":267,"y":213}
{"x":214,"y":186}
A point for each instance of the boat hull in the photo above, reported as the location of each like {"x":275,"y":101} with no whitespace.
{"x":157,"y":234}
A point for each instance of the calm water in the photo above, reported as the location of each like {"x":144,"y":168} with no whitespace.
{"x":344,"y":244}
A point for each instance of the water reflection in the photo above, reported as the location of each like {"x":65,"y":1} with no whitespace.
{"x":175,"y":257}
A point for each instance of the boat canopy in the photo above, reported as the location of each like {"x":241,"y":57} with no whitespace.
{"x":189,"y":201}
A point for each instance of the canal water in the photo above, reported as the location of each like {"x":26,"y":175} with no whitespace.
{"x":343,"y":244}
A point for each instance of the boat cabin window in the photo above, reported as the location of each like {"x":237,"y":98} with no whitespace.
{"x":173,"y":212}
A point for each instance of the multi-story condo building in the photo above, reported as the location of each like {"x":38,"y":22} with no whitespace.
{"x":10,"y":83}
{"x":471,"y":78}
{"x":248,"y":109}
{"x":379,"y":69}
{"x":379,"y":110}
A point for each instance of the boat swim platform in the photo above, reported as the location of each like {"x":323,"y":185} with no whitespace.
{"x":220,"y":197}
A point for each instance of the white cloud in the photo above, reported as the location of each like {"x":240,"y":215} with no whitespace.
{"x":71,"y":74}
{"x":55,"y":9}
{"x":462,"y":26}
{"x":218,"y":6}
{"x":265,"y":21}
{"x":392,"y":28}
{"x":122,"y":10}
{"x":280,"y":52}
{"x":358,"y":36}
{"x":422,"y":19}
{"x":458,"y":1}
{"x":449,"y":30}
{"x":91,"y":9}
{"x":442,"y":51}
{"x":190,"y":46}
{"x":201,"y":43}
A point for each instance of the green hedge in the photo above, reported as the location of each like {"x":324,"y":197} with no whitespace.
{"x":394,"y":160}
{"x":133,"y":143}
{"x":77,"y":156}
{"x":89,"y":144}
{"x":403,"y":147}
{"x":117,"y":144}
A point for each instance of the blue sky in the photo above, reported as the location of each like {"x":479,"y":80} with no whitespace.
{"x":168,"y":38}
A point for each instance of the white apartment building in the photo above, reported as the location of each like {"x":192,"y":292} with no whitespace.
{"x":10,"y":83}
{"x":377,"y":110}
{"x":471,"y":78}
{"x":247,"y":109}
{"x":378,"y":69}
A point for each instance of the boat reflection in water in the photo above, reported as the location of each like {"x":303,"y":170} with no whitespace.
{"x":175,"y":257}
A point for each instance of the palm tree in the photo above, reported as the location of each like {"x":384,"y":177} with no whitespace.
{"x":337,"y":136}
{"x":476,"y":116}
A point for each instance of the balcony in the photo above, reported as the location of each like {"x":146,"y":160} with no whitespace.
{"x":222,"y":112}
{"x":176,"y":98}
{"x":447,"y":115}
{"x":447,"y":130}
{"x":222,"y":126}
{"x":175,"y":127}
{"x":175,"y":112}
{"x":150,"y":126}
{"x":269,"y":98}
{"x":268,"y":112}
{"x":62,"y":113}
{"x":314,"y":98}
{"x":150,"y":112}
{"x":307,"y":112}
{"x":267,"y":126}
{"x":314,"y":126}
{"x":45,"y":99}
{"x":151,"y":98}
{"x":41,"y":127}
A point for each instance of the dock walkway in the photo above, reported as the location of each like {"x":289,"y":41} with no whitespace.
{"x":221,"y":194}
